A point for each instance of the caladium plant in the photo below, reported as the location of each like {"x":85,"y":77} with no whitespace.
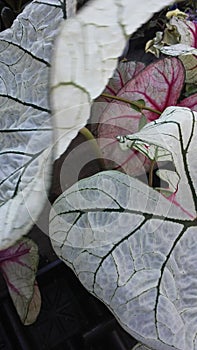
{"x":95,"y":38}
{"x":26,"y":137}
{"x":158,"y":86}
{"x":133,"y":247}
{"x":26,"y":127}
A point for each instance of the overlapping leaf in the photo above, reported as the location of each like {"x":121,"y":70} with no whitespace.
{"x":184,"y":45}
{"x":85,"y":57}
{"x":25,"y":122}
{"x":187,"y":30}
{"x":133,"y":248}
{"x":19,"y":265}
{"x":159,"y":86}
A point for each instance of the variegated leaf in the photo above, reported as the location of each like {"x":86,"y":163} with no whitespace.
{"x":25,"y":122}
{"x":134,"y":248}
{"x":85,"y":57}
{"x":159,"y":85}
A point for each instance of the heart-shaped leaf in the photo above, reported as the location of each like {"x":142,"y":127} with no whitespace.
{"x":19,"y":265}
{"x":25,"y":122}
{"x":134,"y":248}
{"x":159,"y":86}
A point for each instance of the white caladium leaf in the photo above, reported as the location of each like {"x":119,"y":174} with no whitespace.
{"x":25,"y":122}
{"x":178,"y":50}
{"x":132,"y":247}
{"x":85,"y":57}
{"x":177,"y":143}
{"x":19,"y":265}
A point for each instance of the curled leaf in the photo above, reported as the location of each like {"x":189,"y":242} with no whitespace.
{"x":153,"y":46}
{"x":176,"y":13}
{"x":171,"y":35}
{"x":179,"y":38}
{"x":174,"y":130}
{"x":187,"y":30}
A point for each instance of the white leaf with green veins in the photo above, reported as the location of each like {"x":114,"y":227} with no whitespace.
{"x":85,"y":57}
{"x":134,"y":248}
{"x":25,"y":121}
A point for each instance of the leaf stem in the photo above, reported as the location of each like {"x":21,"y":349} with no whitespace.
{"x":90,"y":137}
{"x":134,"y":103}
{"x":150,"y":177}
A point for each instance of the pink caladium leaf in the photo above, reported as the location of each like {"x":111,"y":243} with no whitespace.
{"x":123,"y":73}
{"x":18,"y":265}
{"x":190,"y":102}
{"x":159,"y":86}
